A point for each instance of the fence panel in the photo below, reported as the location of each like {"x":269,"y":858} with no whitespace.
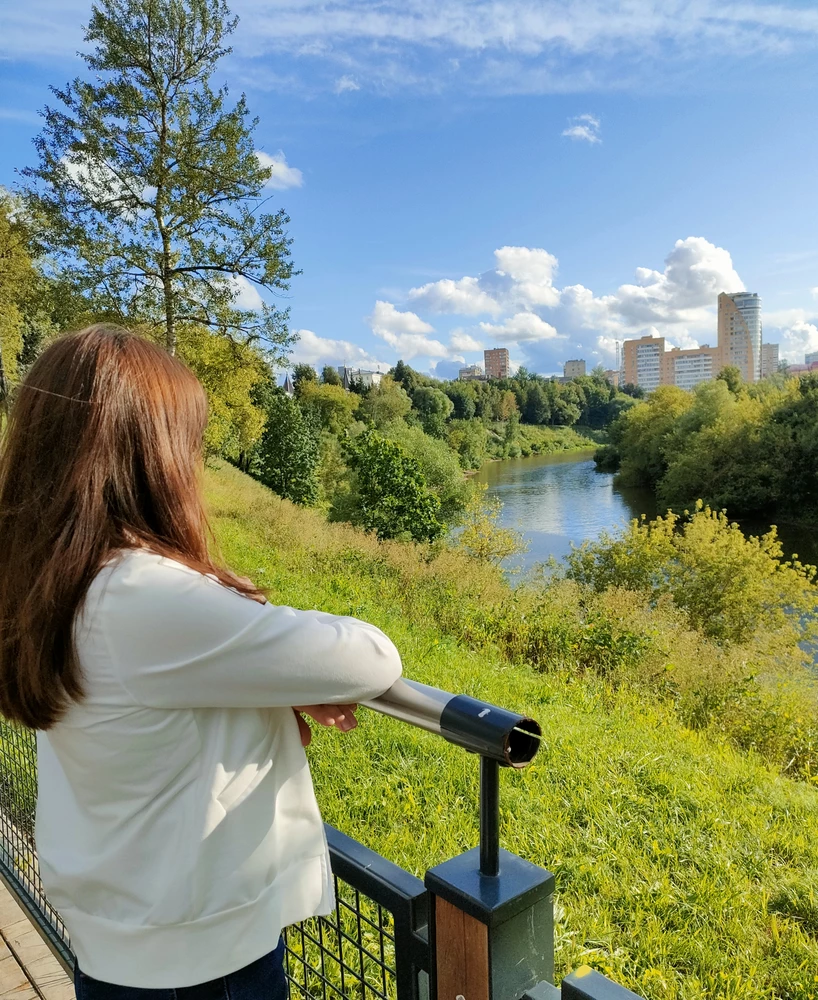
{"x":375,"y":946}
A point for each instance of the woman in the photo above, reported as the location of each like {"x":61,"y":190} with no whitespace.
{"x":177,"y":827}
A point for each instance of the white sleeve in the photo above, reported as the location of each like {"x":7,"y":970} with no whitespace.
{"x":178,"y":639}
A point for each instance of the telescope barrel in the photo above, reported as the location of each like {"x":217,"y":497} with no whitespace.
{"x":503,"y":736}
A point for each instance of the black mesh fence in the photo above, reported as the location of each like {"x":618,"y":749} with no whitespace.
{"x":348,"y":954}
{"x":18,"y":858}
{"x":374,"y":946}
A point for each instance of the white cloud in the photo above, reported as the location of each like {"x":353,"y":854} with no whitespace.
{"x":814,"y":292}
{"x":677,"y":302}
{"x":794,"y":330}
{"x":583,"y":128}
{"x":464,"y":297}
{"x":531,"y":272}
{"x":498,"y":45}
{"x":462,"y":341}
{"x":282,"y":175}
{"x":521,"y":328}
{"x":405,"y":332}
{"x":695,"y":272}
{"x":311,"y":349}
{"x":346,"y":83}
{"x":447,"y":369}
{"x":247,"y":295}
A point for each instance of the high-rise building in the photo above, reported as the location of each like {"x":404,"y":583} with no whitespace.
{"x":573,"y":369}
{"x":497,"y":362}
{"x":689,"y":367}
{"x":810,"y":359}
{"x":642,"y":361}
{"x":471,"y":373}
{"x":740,"y":333}
{"x":769,"y":359}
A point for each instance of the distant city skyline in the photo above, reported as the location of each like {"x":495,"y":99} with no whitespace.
{"x":540,"y":176}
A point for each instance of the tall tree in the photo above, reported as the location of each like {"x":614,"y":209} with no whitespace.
{"x":388,"y":492}
{"x":330,"y":376}
{"x":287,"y":455}
{"x":17,"y":279}
{"x":149,"y":187}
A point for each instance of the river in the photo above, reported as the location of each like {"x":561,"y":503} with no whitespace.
{"x":559,"y":499}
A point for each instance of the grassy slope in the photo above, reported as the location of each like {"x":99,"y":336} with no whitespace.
{"x":684,"y":869}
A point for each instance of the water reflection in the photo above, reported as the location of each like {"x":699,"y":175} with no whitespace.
{"x":559,"y":499}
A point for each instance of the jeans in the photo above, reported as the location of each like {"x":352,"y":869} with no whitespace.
{"x":263,"y":980}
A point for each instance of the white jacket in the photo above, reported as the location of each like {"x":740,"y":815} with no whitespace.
{"x":177,"y":827}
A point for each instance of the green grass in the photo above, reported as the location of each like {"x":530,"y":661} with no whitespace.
{"x":685,"y":868}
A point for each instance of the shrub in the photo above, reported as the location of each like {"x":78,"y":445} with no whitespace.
{"x":733,"y":589}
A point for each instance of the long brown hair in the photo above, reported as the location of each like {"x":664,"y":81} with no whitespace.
{"x":102,"y":453}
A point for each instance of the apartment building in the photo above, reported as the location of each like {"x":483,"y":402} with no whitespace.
{"x":769,"y":359}
{"x":648,"y":363}
{"x":573,"y":369}
{"x":642,"y":361}
{"x":740,"y":333}
{"x":471,"y":373}
{"x":686,"y":368}
{"x":496,"y":361}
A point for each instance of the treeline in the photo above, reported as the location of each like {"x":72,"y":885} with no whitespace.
{"x":390,"y":457}
{"x":751,"y":449}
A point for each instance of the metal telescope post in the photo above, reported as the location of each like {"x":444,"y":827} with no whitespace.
{"x":492,"y":926}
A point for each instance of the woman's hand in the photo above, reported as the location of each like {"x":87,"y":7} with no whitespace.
{"x":340,"y":716}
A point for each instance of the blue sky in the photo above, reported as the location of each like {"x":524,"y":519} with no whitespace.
{"x":548,"y":175}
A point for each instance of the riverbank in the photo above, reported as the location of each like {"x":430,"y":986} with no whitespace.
{"x":562,"y":499}
{"x":531,"y":439}
{"x":749,"y":449}
{"x":682,"y":865}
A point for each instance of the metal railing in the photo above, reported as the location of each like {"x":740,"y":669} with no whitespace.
{"x":375,"y":946}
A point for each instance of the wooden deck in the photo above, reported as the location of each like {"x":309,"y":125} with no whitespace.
{"x":28,"y":970}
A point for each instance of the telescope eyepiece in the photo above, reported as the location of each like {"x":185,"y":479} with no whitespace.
{"x":523,"y":743}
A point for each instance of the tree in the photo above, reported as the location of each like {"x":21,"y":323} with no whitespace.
{"x":331,"y":407}
{"x":733,"y":589}
{"x":537,"y":406}
{"x":644,"y":434}
{"x":286,"y":458}
{"x":409,"y":378}
{"x":732,"y":377}
{"x":302,"y":374}
{"x":482,"y":537}
{"x":434,"y":408}
{"x":17,"y":275}
{"x":506,"y":405}
{"x":388,"y":493}
{"x":231,"y":374}
{"x":386,"y":403}
{"x":330,"y":376}
{"x":149,"y":189}
{"x":440,"y":468}
{"x":462,"y":395}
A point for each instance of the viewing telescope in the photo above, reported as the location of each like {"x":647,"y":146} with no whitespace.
{"x":508,"y":738}
{"x":500,"y":737}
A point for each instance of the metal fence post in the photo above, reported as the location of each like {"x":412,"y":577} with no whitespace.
{"x":492,"y":919}
{"x":585,"y":984}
